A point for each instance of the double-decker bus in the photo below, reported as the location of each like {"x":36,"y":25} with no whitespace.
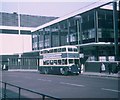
{"x":59,"y":60}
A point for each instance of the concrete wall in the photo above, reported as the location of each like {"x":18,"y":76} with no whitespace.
{"x":14,"y":43}
{"x":95,"y":66}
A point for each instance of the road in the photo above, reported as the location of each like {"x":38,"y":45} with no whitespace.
{"x":80,"y":86}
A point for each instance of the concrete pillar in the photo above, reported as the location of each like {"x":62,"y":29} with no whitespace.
{"x":38,"y":33}
{"x":50,"y":35}
{"x":115,"y":24}
{"x":96,"y":25}
{"x":43,"y":38}
{"x":68,"y":28}
{"x":59,"y":37}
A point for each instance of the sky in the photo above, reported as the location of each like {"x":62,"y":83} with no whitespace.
{"x":41,"y":8}
{"x":56,"y":8}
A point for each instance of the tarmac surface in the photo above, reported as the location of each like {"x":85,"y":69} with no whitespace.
{"x":85,"y":85}
{"x":103,"y":74}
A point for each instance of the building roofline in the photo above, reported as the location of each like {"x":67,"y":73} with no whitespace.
{"x":97,"y":44}
{"x":80,"y":11}
{"x":16,"y":28}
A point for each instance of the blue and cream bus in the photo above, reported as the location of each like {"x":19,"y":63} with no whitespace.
{"x":56,"y":60}
{"x":59,"y":60}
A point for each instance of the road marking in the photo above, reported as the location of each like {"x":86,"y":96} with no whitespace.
{"x":72,"y":84}
{"x":44,"y":80}
{"x":110,"y":90}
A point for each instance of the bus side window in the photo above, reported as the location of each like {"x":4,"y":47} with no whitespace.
{"x":47,"y":62}
{"x":51,"y":62}
{"x":51,"y":51}
{"x":59,"y":49}
{"x":63,"y":49}
{"x":76,"y":61}
{"x":46,"y":51}
{"x":44,"y":63}
{"x":55,"y":50}
{"x":55,"y":62}
{"x":70,"y":49}
{"x":59,"y":62}
{"x":75,"y":50}
{"x":64,"y":61}
{"x":70,"y":61}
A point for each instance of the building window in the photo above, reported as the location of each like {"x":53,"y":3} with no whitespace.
{"x":55,"y":39}
{"x":47,"y":41}
{"x":88,"y":34}
{"x":35,"y":45}
{"x":73,"y":37}
{"x":40,"y":43}
{"x":111,"y":58}
{"x":91,"y":33}
{"x":102,"y":58}
{"x":91,"y":58}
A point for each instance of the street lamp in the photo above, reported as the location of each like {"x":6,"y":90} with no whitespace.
{"x":78,"y":19}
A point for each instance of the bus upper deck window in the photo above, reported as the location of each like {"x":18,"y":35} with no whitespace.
{"x":63,"y":49}
{"x":46,"y":51}
{"x":59,"y":49}
{"x":51,"y":51}
{"x":55,"y":50}
{"x":70,"y":49}
{"x":75,"y":50}
{"x":59,"y":62}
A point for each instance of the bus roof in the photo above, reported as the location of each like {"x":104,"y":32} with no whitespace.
{"x":67,"y":46}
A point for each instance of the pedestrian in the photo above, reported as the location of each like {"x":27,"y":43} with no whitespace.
{"x":82,"y":68}
{"x":118,"y":66}
{"x":103,"y":67}
{"x":4,"y":67}
{"x":117,"y":69}
{"x":110,"y":68}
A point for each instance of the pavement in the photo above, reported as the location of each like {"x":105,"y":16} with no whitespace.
{"x":104,"y":74}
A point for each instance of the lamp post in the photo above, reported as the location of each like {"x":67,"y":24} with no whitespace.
{"x":115,"y":24}
{"x":79,"y":34}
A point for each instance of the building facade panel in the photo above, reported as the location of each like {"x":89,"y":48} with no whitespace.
{"x":93,"y":28}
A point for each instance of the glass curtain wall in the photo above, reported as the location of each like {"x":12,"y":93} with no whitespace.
{"x":34,"y":40}
{"x":55,"y":35}
{"x":73,"y":31}
{"x":105,"y":25}
{"x":88,"y":30}
{"x":47,"y":37}
{"x":41,"y":38}
{"x":63,"y":33}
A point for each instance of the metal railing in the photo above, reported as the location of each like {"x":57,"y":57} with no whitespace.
{"x":44,"y":96}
